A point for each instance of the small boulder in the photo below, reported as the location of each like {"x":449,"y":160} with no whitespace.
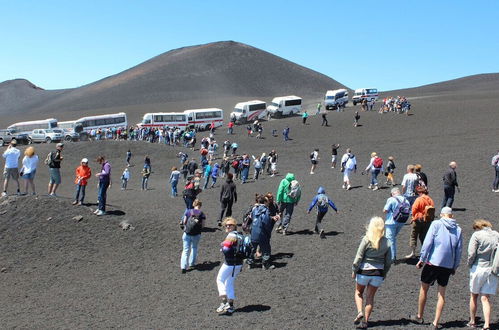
{"x":78,"y":218}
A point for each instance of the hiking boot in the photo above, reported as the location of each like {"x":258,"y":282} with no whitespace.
{"x":184,"y":271}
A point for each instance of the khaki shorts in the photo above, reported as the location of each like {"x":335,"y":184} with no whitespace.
{"x":11,"y":173}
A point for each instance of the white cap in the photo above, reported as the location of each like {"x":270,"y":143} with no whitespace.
{"x":84,"y":160}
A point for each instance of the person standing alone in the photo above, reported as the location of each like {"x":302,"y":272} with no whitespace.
{"x":495,"y":165}
{"x":450,"y":185}
{"x":314,"y":159}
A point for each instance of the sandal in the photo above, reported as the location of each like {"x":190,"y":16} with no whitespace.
{"x":416,"y":319}
{"x":359,"y":318}
{"x":471,"y":325}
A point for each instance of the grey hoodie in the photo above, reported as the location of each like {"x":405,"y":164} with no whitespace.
{"x":443,"y":244}
{"x":481,"y":245}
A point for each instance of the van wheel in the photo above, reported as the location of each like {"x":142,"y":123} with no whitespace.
{"x":68,"y":138}
{"x":207,"y":128}
{"x":354,"y":103}
{"x":48,"y":140}
{"x":30,"y":141}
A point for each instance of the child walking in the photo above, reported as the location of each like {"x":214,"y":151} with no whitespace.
{"x":83,"y":173}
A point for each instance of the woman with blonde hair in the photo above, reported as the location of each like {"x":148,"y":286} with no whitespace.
{"x":28,"y":171}
{"x":371,"y":264}
{"x":230,"y":268}
{"x":482,"y":282}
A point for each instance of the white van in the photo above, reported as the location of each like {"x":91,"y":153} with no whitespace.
{"x":249,"y":111}
{"x":284,"y":106}
{"x":335,"y":98}
{"x":201,"y":119}
{"x":365,"y":93}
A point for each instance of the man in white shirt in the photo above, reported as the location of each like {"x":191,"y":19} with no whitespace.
{"x":409,"y":184}
{"x":348,"y":165}
{"x":11,"y":156}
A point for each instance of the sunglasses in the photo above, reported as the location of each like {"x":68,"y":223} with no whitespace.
{"x":230,"y":225}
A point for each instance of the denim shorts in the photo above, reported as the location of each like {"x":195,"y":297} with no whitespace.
{"x":365,"y":280}
{"x":30,"y":175}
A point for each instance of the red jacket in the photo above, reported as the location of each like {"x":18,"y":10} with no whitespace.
{"x":83,"y":173}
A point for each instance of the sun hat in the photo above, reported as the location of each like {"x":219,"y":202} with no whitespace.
{"x":84,"y":160}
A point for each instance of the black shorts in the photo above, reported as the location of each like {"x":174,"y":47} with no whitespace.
{"x":314,"y":162}
{"x":431,"y":273}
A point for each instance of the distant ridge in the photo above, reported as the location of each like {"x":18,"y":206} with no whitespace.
{"x":214,"y":70}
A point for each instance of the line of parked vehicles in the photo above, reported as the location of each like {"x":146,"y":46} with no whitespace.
{"x":51,"y":130}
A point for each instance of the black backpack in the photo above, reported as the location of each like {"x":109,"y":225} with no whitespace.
{"x":402,"y":211}
{"x":193,"y":224}
{"x":247,"y":220}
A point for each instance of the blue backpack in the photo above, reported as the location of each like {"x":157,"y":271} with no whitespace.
{"x":244,"y":246}
{"x":402,"y":211}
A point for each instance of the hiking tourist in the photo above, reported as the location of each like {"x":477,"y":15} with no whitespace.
{"x":261,"y":231}
{"x":304,"y":117}
{"x":324,"y":118}
{"x":423,"y":213}
{"x":409,"y":182}
{"x":128,"y":157}
{"x":125,"y":176}
{"x":146,"y":173}
{"x":450,"y":185}
{"x":174,"y":177}
{"x":395,"y":218}
{"x":390,"y":169}
{"x":258,"y":164}
{"x":375,"y":167}
{"x":495,"y":165}
{"x":54,"y":160}
{"x":356,"y":118}
{"x":191,"y":191}
{"x":334,"y":154}
{"x":215,"y":172}
{"x":314,"y":159}
{"x":193,"y":223}
{"x":285,"y":133}
{"x":228,"y":196}
{"x":482,"y":281}
{"x":440,"y":257}
{"x":348,"y":165}
{"x":422,"y":178}
{"x":370,"y":267}
{"x":230,"y":268}
{"x":28,"y":171}
{"x":11,"y":171}
{"x":83,"y":173}
{"x":319,"y":106}
{"x":104,"y":183}
{"x":323,"y":202}
{"x":288,"y":195}
{"x":245,"y":168}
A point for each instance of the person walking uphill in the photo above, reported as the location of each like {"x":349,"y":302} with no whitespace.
{"x":104,"y":183}
{"x":423,"y":213}
{"x":395,"y":217}
{"x":228,"y":196}
{"x":11,"y":156}
{"x":53,"y":160}
{"x":261,"y":231}
{"x":440,"y":257}
{"x":83,"y":173}
{"x":495,"y":165}
{"x":370,"y":267}
{"x":375,"y":167}
{"x":450,"y":185}
{"x":192,"y":224}
{"x":480,"y":261}
{"x":323,"y":202}
{"x":288,"y":195}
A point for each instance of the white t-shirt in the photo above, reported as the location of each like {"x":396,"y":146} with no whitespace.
{"x":11,"y":156}
{"x":315,"y":155}
{"x":408,"y":182}
{"x":30,"y":164}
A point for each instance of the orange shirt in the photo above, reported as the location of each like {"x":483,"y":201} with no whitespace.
{"x":84,"y":173}
{"x":419,"y":205}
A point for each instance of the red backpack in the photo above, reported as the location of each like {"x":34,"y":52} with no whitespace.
{"x":378,"y":162}
{"x":235,"y":164}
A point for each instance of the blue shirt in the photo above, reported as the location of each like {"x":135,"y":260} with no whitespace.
{"x":390,"y":206}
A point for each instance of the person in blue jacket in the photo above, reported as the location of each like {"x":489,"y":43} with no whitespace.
{"x":322,"y":202}
{"x":214,"y":174}
{"x":261,"y":231}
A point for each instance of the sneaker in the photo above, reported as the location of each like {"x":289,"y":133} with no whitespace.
{"x":344,"y":186}
{"x":497,"y":190}
{"x":349,"y":187}
{"x":370,"y":186}
{"x":95,"y":212}
{"x":184,"y":271}
{"x":322,"y":234}
{"x":311,"y":172}
{"x":74,"y":202}
{"x":4,"y":193}
{"x":375,"y":188}
{"x":223,"y":307}
{"x":278,"y":229}
{"x":284,"y":232}
{"x":100,"y":212}
{"x":230,"y":309}
{"x":53,"y":195}
{"x":219,"y":223}
{"x":79,"y":203}
{"x":267,"y":267}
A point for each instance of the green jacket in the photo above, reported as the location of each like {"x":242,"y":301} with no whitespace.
{"x":284,"y":188}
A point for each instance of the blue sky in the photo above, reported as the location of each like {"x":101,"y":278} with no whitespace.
{"x":384,"y":44}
